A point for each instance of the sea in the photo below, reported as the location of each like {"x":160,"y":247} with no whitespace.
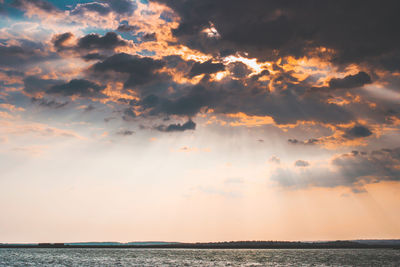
{"x":197,"y":257}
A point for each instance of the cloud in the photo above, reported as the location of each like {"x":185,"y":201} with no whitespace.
{"x":205,"y":68}
{"x":14,"y":127}
{"x":239,"y":70}
{"x":125,"y":132}
{"x":141,"y":70}
{"x":275,"y":159}
{"x":94,"y":41}
{"x":48,"y":103}
{"x":24,"y":55}
{"x":157,"y":86}
{"x":340,"y":136}
{"x":93,"y":56}
{"x":350,"y":81}
{"x":104,"y":7}
{"x":352,"y":170}
{"x":122,"y":6}
{"x":34,"y":84}
{"x":77,"y":87}
{"x":40,"y":4}
{"x":189,"y":125}
{"x":128,"y":114}
{"x":60,"y":39}
{"x":149,"y":37}
{"x":268,"y":29}
{"x":358,"y":190}
{"x":100,"y":8}
{"x":10,"y":107}
{"x":12,"y":73}
{"x":301,"y":163}
{"x":185,"y":105}
{"x":357,"y":131}
{"x":311,"y":141}
{"x":232,"y":96}
{"x":89,"y":108}
{"x":127,"y":28}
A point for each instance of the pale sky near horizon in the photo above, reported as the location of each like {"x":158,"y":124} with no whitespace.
{"x":198,"y":121}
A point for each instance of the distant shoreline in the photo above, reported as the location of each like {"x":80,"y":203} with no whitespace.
{"x":221,"y":245}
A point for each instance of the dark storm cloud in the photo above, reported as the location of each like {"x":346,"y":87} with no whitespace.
{"x":353,"y":170}
{"x":357,"y":131}
{"x":358,"y":31}
{"x":48,"y":103}
{"x":350,"y":81}
{"x":189,"y":125}
{"x":287,"y":106}
{"x":262,"y":28}
{"x":205,"y":68}
{"x":233,"y":96}
{"x":94,"y":41}
{"x":141,"y":70}
{"x":77,"y":87}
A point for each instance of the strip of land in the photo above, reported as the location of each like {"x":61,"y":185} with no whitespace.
{"x":364,"y":244}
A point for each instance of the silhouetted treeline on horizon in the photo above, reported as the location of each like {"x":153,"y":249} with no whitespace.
{"x":218,"y":245}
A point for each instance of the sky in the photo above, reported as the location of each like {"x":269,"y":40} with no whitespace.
{"x":185,"y":120}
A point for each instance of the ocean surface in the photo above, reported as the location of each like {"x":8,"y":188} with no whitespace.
{"x":197,"y":257}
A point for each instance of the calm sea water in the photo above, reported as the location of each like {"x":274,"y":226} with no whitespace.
{"x":196,"y":257}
